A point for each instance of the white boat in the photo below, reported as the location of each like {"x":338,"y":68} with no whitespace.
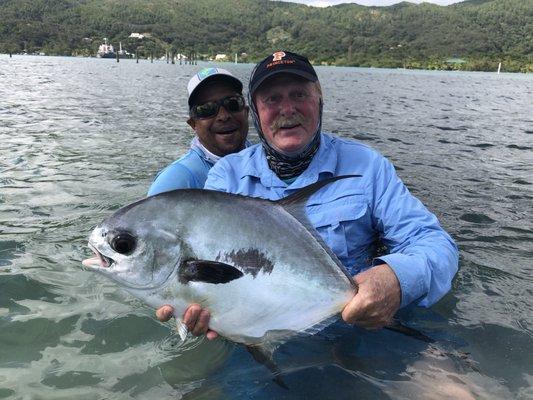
{"x":106,"y":50}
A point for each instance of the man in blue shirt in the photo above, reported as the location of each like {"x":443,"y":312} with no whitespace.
{"x":219,"y":117}
{"x":285,"y":99}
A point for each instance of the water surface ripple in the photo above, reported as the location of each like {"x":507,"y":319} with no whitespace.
{"x":81,"y":137}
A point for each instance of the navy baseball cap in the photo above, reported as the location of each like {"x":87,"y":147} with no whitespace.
{"x":281,"y":62}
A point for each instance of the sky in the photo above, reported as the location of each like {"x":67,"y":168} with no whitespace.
{"x":325,"y":3}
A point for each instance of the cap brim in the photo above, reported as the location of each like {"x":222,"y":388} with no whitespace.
{"x":216,"y":77}
{"x":303,"y":74}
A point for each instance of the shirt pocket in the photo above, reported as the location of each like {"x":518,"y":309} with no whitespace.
{"x":335,"y":221}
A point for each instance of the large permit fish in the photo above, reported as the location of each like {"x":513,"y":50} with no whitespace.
{"x":259,"y":266}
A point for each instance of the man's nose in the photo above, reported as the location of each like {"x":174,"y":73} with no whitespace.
{"x":223,"y":114}
{"x":287,"y":106}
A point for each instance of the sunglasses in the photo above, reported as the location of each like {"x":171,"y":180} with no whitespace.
{"x":232,"y":104}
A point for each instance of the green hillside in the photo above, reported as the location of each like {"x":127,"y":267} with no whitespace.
{"x":479,"y":32}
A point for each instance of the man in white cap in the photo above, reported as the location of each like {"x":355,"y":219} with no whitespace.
{"x":219,"y":116}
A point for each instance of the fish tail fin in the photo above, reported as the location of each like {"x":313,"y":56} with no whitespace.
{"x":397,"y":326}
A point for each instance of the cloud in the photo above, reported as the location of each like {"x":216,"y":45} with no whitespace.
{"x":326,"y":3}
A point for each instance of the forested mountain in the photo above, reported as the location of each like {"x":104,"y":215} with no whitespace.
{"x":481,"y":32}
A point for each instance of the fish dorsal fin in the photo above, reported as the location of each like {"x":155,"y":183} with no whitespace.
{"x":300,"y":197}
{"x":295,"y":205}
{"x":207,"y":271}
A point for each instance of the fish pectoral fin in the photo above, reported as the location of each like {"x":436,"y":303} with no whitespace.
{"x":207,"y":271}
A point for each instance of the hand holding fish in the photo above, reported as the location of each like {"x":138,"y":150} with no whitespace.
{"x":377,"y":300}
{"x":195,"y":319}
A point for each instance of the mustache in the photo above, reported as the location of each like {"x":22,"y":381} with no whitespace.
{"x":296,"y":119}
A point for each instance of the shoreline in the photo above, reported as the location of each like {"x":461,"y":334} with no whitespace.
{"x":433,"y":65}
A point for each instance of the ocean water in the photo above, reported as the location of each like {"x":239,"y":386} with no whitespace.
{"x":80,"y":138}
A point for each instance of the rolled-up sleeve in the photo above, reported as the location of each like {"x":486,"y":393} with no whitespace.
{"x":422,"y":255}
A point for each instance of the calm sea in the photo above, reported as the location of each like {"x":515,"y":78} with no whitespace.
{"x":81,"y":137}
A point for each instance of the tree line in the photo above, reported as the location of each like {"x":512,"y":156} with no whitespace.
{"x":471,"y":35}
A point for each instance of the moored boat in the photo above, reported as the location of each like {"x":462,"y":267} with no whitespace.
{"x":106,"y":50}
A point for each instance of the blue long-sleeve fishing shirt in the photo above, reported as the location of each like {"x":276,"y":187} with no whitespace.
{"x":189,"y":171}
{"x":352,"y":214}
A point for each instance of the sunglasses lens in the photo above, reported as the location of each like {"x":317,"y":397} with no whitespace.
{"x":206,"y":110}
{"x":233,"y":104}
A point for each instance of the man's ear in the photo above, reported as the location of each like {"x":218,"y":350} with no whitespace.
{"x":192,"y":123}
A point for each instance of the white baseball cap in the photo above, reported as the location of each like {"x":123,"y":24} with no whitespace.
{"x":209,"y":74}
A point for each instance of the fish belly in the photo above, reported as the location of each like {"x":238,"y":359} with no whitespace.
{"x":249,"y":309}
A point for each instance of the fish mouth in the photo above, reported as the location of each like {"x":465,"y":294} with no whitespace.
{"x":100,"y":261}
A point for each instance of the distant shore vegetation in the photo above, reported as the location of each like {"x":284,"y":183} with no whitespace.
{"x":474,"y":35}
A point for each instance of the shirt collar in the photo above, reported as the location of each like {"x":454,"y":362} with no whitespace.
{"x":206,"y":154}
{"x":324,"y":162}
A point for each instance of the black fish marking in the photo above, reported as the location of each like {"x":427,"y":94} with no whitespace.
{"x":207,"y":271}
{"x":250,"y":261}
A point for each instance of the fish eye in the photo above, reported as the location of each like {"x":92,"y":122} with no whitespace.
{"x":123,"y":243}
